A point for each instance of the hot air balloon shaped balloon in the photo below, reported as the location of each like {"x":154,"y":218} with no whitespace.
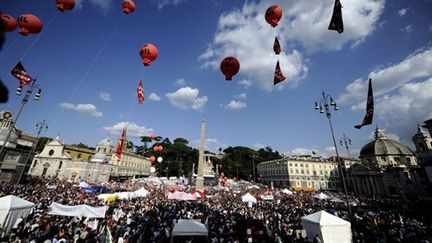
{"x":148,"y":53}
{"x":273,"y":15}
{"x":229,"y":67}
{"x":128,"y":6}
{"x":29,"y":24}
{"x":8,"y":22}
{"x":65,"y":5}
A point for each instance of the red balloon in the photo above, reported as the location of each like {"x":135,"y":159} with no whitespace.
{"x":29,"y":24}
{"x":128,"y":6}
{"x":229,"y":67}
{"x":152,"y":159}
{"x":148,"y":53}
{"x":155,"y":148}
{"x":65,"y":5}
{"x":160,"y":148}
{"x":8,"y":22}
{"x":273,"y":15}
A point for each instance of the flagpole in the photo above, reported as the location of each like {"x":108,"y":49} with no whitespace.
{"x":23,"y":103}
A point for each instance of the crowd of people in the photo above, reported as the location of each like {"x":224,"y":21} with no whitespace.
{"x":227,"y":218}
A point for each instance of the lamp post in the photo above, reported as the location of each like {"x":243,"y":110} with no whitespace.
{"x":253,"y":157}
{"x":325,"y":101}
{"x":40,"y":126}
{"x":347,"y":142}
{"x":24,"y":101}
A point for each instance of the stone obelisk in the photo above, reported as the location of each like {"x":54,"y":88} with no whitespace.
{"x":200,"y":174}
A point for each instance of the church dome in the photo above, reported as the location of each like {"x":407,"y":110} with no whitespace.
{"x":383,"y":146}
{"x":99,"y":157}
{"x":105,"y":143}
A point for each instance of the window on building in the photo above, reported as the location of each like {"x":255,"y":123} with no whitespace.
{"x":383,"y":158}
{"x":296,"y":171}
{"x":35,"y":163}
{"x":295,"y":164}
{"x":60,"y":164}
{"x":321,"y":173}
{"x":301,"y":165}
{"x":306,"y":165}
{"x":290,"y":164}
{"x":79,"y":156}
{"x":314,"y":173}
{"x":291,"y":171}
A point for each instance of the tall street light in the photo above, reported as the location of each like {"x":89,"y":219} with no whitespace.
{"x":253,"y":157}
{"x":325,"y":101}
{"x":347,"y":142}
{"x":40,"y":126}
{"x":33,"y":86}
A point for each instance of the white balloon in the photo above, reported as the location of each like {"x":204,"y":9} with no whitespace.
{"x":159,"y":159}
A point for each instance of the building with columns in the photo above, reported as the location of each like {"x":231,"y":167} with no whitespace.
{"x":423,"y":144}
{"x":100,"y":165}
{"x":388,"y":168}
{"x":303,"y":173}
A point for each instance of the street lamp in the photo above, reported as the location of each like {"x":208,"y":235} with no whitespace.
{"x":347,"y":142}
{"x":253,"y":157}
{"x":325,"y":101}
{"x":33,"y":86}
{"x":40,"y":126}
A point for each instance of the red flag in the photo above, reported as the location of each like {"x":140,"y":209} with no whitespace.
{"x":367,"y":120}
{"x":140,"y":92}
{"x":336,"y":22}
{"x":21,"y":74}
{"x":278,"y":76}
{"x":276,"y":46}
{"x":120,"y":144}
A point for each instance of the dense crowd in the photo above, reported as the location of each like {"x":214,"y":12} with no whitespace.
{"x":226,"y":217}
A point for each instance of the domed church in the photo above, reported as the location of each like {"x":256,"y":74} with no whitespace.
{"x":388,"y":169}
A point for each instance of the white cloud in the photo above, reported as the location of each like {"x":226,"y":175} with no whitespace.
{"x":105,"y":96}
{"x":163,"y":3}
{"x":245,"y":34}
{"x":430,"y":28}
{"x":402,"y":12}
{"x":212,"y":144}
{"x":132,"y":129}
{"x":302,"y":151}
{"x":103,"y":5}
{"x":186,"y":97}
{"x":387,"y":79}
{"x":241,"y":96}
{"x":246,"y":83}
{"x":87,"y":109}
{"x":331,"y":150}
{"x":154,"y":97}
{"x":180,"y":82}
{"x":407,"y":29}
{"x":235,"y":105}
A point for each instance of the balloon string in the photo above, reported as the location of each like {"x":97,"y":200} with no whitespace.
{"x":90,"y":67}
{"x":10,"y":46}
{"x":39,"y":36}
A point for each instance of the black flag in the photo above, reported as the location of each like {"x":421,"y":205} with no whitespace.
{"x":336,"y":22}
{"x":369,"y":108}
{"x":21,"y":74}
{"x":278,"y":76}
{"x":276,"y":46}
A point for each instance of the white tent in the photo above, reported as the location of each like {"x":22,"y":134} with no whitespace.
{"x":189,"y":227}
{"x":248,"y":198}
{"x":142,"y":192}
{"x":328,"y":227}
{"x":322,"y":196}
{"x":123,"y":195}
{"x":11,"y":209}
{"x":286,"y":191}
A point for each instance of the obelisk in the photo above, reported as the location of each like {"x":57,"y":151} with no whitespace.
{"x":200,"y":174}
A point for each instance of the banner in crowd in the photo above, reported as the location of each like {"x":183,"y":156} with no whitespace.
{"x":77,"y":210}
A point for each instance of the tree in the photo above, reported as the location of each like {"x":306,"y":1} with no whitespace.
{"x":41,"y":144}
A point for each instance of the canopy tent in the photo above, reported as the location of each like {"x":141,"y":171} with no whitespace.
{"x":248,"y":198}
{"x":322,"y":196}
{"x":77,"y":210}
{"x":288,"y":192}
{"x":142,"y":192}
{"x":123,"y":195}
{"x":189,"y":227}
{"x":83,"y":184}
{"x":11,"y":209}
{"x":328,"y":227}
{"x":108,"y":197}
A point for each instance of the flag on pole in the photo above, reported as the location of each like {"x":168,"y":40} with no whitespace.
{"x":21,"y":74}
{"x":336,"y":22}
{"x":120,"y":144}
{"x":276,"y":46}
{"x":140,"y":92}
{"x":367,"y":120}
{"x":278,"y":76}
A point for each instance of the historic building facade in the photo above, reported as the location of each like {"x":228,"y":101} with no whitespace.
{"x":17,"y":152}
{"x":100,"y":165}
{"x":388,"y":168}
{"x":303,"y":173}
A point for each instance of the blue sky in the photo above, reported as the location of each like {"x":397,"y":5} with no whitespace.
{"x":88,"y":66}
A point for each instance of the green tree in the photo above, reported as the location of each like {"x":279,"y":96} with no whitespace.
{"x":41,"y":144}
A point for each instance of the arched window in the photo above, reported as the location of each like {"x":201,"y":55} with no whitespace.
{"x":35,"y":163}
